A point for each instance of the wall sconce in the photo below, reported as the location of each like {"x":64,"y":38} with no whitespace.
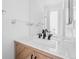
{"x":3,"y":12}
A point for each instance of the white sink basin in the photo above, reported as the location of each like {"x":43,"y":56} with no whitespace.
{"x":50,"y":45}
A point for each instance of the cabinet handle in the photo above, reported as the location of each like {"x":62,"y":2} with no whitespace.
{"x":31,"y":56}
{"x":35,"y":57}
{"x":69,"y":12}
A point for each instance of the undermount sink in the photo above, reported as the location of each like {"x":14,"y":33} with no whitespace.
{"x":50,"y":45}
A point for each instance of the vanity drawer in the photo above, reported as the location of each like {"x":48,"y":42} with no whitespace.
{"x":23,"y":52}
{"x":41,"y":56}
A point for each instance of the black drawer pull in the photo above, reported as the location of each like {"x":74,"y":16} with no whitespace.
{"x":31,"y":56}
{"x":35,"y":57}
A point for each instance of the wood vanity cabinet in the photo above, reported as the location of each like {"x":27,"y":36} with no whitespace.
{"x":26,"y":52}
{"x":23,"y":52}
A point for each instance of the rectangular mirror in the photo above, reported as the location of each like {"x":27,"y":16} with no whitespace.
{"x":49,"y":13}
{"x":54,"y":22}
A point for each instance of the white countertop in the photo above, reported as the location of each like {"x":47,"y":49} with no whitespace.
{"x":31,"y":42}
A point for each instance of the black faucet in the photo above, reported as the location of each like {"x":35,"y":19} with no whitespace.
{"x":49,"y":36}
{"x":44,"y":33}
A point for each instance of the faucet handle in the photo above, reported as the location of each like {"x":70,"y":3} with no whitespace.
{"x":39,"y":35}
{"x":49,"y":36}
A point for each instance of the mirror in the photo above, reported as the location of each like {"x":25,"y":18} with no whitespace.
{"x":53,"y":22}
{"x":47,"y":14}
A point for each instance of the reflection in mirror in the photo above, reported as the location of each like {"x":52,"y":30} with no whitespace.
{"x":54,"y":22}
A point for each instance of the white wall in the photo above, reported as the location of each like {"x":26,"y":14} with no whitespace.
{"x":15,"y":9}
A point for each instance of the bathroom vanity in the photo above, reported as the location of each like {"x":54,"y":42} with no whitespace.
{"x":26,"y":51}
{"x":57,"y":18}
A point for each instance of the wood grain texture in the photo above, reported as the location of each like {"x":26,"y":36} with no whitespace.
{"x":23,"y":51}
{"x":41,"y":56}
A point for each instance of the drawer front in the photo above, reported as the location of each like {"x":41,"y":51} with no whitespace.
{"x":41,"y":56}
{"x":23,"y":52}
